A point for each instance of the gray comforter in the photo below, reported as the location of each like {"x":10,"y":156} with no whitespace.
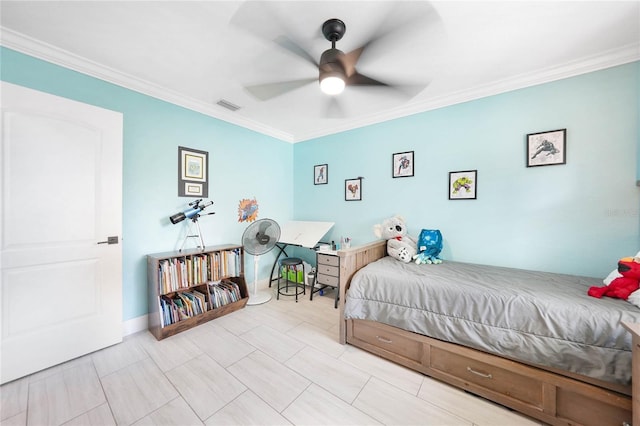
{"x":539,"y":318}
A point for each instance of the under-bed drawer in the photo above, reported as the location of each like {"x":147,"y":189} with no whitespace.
{"x":505,"y":382}
{"x":388,"y":340}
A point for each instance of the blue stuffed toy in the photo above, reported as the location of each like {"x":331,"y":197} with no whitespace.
{"x":429,"y":247}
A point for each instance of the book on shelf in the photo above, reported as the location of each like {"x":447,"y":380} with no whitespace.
{"x":187,"y":304}
{"x":184,"y":272}
{"x":182,"y":305}
{"x":223,"y":292}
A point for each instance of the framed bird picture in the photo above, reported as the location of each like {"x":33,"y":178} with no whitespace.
{"x":353,"y":189}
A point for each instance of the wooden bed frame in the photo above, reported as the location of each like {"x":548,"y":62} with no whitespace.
{"x":553,"y":396}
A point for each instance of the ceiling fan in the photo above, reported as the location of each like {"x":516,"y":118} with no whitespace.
{"x":337,"y":70}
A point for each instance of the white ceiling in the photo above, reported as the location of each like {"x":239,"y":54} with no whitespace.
{"x":194,"y":53}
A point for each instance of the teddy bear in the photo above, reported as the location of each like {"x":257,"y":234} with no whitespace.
{"x":429,"y":247}
{"x":399,"y":245}
{"x":621,"y":287}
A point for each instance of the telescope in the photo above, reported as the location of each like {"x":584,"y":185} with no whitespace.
{"x":193,"y":212}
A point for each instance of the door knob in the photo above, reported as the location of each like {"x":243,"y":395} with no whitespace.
{"x":110,"y":240}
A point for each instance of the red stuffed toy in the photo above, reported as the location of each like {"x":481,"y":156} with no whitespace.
{"x":621,"y":287}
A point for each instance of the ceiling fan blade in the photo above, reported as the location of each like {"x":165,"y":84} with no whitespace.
{"x":268,"y":91}
{"x":293,"y":47}
{"x":406,"y":90}
{"x":401,"y":21}
{"x":265,"y":20}
{"x":357,"y":79}
{"x":349,"y":60}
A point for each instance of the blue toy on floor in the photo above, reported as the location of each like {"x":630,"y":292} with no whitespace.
{"x":429,"y":247}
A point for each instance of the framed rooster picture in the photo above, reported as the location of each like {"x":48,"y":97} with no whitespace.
{"x":353,"y":189}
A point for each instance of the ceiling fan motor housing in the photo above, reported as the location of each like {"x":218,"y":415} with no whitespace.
{"x":330,"y":63}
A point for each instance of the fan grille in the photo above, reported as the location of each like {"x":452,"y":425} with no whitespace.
{"x":261,"y":236}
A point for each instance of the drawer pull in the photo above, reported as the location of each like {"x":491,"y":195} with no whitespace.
{"x":384,"y":339}
{"x":477,"y":373}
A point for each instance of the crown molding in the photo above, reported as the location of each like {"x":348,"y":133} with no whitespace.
{"x":41,"y":50}
{"x":615,"y":57}
{"x":27,"y":45}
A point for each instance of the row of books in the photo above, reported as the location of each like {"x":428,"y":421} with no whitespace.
{"x":186,"y":304}
{"x":181,"y":306}
{"x":223,"y":293}
{"x":184,"y":272}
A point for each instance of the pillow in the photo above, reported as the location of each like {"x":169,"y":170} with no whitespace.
{"x":615,"y":274}
{"x":634,"y":298}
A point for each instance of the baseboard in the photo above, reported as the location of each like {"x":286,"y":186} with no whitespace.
{"x":135,"y":325}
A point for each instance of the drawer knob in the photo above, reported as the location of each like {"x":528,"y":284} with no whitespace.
{"x":477,"y":373}
{"x":384,"y":339}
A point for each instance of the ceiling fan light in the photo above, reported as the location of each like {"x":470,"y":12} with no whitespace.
{"x":332,"y":84}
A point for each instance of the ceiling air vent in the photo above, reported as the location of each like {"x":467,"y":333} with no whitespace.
{"x":228,"y":105}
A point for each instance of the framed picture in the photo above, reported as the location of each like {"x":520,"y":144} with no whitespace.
{"x":193,"y":172}
{"x":402,"y":164}
{"x":320,"y":174}
{"x":547,"y":148}
{"x":353,"y":189}
{"x":463,"y":185}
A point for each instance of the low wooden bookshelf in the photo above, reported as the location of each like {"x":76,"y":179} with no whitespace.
{"x":197,"y":277}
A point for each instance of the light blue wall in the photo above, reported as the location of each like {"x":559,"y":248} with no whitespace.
{"x":240,"y":167}
{"x":576,"y":218}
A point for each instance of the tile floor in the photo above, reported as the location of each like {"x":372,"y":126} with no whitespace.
{"x":277,"y":363}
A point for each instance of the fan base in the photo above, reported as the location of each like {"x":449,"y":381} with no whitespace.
{"x":259,"y":298}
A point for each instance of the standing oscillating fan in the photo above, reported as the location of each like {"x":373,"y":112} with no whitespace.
{"x":259,"y":238}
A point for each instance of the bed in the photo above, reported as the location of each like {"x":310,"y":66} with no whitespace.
{"x":532,"y":341}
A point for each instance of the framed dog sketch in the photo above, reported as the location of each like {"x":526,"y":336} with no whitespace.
{"x":463,"y":185}
{"x":320,"y":174}
{"x":547,"y":148}
{"x":402,"y":164}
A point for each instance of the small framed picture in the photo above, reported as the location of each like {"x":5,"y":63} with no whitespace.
{"x":547,"y":148}
{"x":463,"y":185}
{"x":193,"y":172}
{"x":320,"y":174}
{"x":353,"y":189}
{"x":402,"y":164}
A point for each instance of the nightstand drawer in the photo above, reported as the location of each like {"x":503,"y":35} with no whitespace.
{"x":328,"y":280}
{"x":324,"y":259}
{"x":329,"y":270}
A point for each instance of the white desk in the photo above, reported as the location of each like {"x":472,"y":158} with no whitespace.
{"x":301,"y":234}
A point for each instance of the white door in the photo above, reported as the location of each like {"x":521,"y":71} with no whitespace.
{"x":61,"y":195}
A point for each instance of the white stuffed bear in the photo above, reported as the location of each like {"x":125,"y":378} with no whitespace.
{"x":399,"y":245}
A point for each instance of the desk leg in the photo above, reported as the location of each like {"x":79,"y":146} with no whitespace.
{"x":281,"y":247}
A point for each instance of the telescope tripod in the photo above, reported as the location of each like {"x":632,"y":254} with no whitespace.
{"x":198,"y":235}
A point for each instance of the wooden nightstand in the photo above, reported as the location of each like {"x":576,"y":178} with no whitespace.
{"x":327,"y":273}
